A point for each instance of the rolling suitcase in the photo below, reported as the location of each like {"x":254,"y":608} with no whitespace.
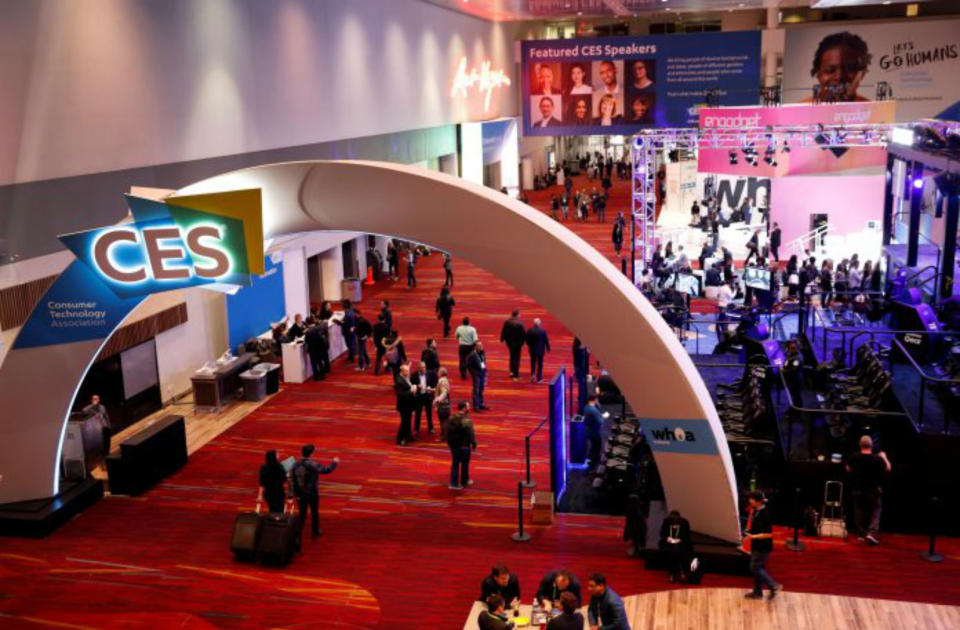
{"x":246,"y":534}
{"x":279,"y":537}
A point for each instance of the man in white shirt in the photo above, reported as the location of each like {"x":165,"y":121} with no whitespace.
{"x":724,"y":297}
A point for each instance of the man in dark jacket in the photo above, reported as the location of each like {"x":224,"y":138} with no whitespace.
{"x":775,"y":237}
{"x":304,"y":477}
{"x":537,"y":344}
{"x":444,"y":308}
{"x":593,"y":421}
{"x":477,"y":366}
{"x":428,"y":380}
{"x":606,"y":610}
{"x":318,"y":347}
{"x":494,"y":617}
{"x":500,"y":582}
{"x":363,"y":331}
{"x":555,"y":583}
{"x":387,"y":313}
{"x":430,"y":356}
{"x":675,"y":543}
{"x":406,"y":404}
{"x":461,"y":439}
{"x":514,"y":335}
{"x":348,"y":325}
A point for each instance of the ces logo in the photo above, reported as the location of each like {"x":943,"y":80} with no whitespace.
{"x":161,"y":248}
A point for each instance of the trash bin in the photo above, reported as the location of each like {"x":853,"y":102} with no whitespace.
{"x":578,"y":440}
{"x":254,"y":385}
{"x":272,"y":370}
{"x":352,"y":289}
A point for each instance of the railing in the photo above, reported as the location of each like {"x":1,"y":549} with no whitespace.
{"x":526,"y":443}
{"x":791,"y":406}
{"x":924,"y":379}
{"x":798,"y":245}
{"x":911,"y":280}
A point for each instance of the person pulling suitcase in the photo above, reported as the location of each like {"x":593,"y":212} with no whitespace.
{"x":304,"y":476}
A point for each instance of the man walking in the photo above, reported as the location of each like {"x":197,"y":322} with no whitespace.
{"x":447,"y":270}
{"x":411,"y":265}
{"x":617,"y":236}
{"x":380,"y":332}
{"x":513,"y":334}
{"x":406,"y":403}
{"x":477,"y":366}
{"x":537,"y":344}
{"x":466,"y":338}
{"x":444,"y":308}
{"x":593,"y":423}
{"x":760,"y":535}
{"x":363,"y":330}
{"x":775,"y":237}
{"x":867,"y":471}
{"x":348,"y":325}
{"x":305,"y":475}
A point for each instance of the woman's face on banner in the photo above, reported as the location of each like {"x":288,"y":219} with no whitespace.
{"x":576,"y":75}
{"x":839,"y":65}
{"x":606,"y":107}
{"x":639,"y":108}
{"x":581,"y":109}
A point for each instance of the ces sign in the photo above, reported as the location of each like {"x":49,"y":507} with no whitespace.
{"x":170,"y":253}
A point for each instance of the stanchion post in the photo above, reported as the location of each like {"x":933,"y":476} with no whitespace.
{"x":520,"y":535}
{"x":931,"y":554}
{"x":528,"y":483}
{"x":796,"y":544}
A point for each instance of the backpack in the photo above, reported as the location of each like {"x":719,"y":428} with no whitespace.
{"x":392,"y":355}
{"x":303,"y":478}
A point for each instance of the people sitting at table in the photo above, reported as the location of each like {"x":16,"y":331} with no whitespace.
{"x":555,"y":584}
{"x":500,"y":582}
{"x":675,"y":543}
{"x":570,"y":618}
{"x":494,"y":617}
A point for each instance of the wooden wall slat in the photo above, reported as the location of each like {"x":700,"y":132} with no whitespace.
{"x":16,"y":302}
{"x":136,"y":333}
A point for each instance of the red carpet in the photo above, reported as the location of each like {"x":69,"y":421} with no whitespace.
{"x":400,"y":550}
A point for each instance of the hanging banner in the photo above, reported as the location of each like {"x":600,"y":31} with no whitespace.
{"x":916,"y":61}
{"x":617,"y":85}
{"x":182,"y":242}
{"x":792,"y":160}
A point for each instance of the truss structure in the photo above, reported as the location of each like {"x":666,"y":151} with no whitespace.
{"x":648,"y":149}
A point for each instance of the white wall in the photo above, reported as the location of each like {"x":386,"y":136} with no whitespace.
{"x":182,"y":350}
{"x":471,"y":152}
{"x":331,"y":270}
{"x":108,"y":84}
{"x":296,"y":288}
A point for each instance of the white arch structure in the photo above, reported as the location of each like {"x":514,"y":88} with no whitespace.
{"x":526,"y":248}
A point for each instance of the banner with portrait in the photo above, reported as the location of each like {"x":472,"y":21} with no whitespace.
{"x":915,"y":62}
{"x":618,"y":85}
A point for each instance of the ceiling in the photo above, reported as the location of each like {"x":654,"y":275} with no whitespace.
{"x":521,"y":10}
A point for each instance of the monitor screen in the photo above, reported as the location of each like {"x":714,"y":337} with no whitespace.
{"x":757,"y":278}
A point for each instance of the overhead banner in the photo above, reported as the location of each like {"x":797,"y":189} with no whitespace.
{"x":686,"y":437}
{"x":784,"y":159}
{"x":617,"y":85}
{"x":182,"y":242}
{"x":918,"y":60}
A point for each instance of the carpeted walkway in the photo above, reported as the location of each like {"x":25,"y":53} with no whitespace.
{"x":400,"y":550}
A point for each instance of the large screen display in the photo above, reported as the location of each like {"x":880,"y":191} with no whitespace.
{"x":919,"y":62}
{"x":617,"y":85}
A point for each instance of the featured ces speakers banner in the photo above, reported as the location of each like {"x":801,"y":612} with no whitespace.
{"x":918,"y":61}
{"x":618,"y":85}
{"x":213,"y":239}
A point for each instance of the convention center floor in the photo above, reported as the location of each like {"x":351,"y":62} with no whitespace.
{"x":399,"y":549}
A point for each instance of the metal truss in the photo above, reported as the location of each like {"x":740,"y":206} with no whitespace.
{"x":649,"y":146}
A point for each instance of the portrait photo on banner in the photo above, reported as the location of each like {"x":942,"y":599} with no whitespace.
{"x":607,"y":79}
{"x":546,"y":78}
{"x":578,"y":111}
{"x":546,"y":110}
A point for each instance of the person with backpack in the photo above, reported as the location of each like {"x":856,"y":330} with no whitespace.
{"x":462,"y":440}
{"x":304,"y":476}
{"x":393,"y":352}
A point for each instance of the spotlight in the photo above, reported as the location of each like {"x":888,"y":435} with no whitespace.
{"x":733,"y":158}
{"x":918,"y":183}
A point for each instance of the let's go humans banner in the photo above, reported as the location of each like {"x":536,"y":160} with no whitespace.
{"x":618,"y":85}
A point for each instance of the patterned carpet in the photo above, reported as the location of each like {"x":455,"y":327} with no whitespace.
{"x":400,"y":550}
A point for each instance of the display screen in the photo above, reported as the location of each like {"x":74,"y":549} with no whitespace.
{"x":757,"y":278}
{"x":618,"y":85}
{"x":558,"y":435}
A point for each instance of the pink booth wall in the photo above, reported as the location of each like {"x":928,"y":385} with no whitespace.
{"x":849,"y":201}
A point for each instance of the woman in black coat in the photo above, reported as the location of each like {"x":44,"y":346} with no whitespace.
{"x":273,"y":480}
